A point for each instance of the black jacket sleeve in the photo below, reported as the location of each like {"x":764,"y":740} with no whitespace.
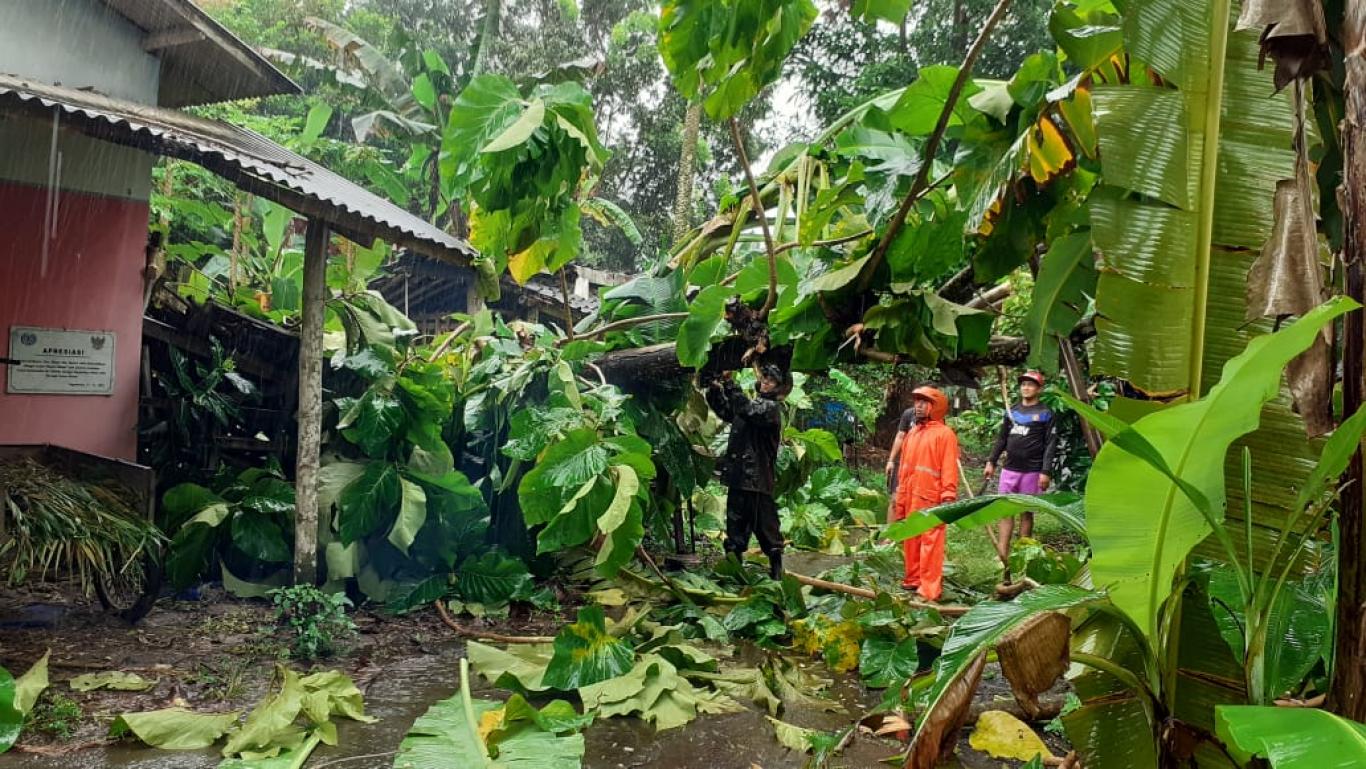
{"x":1050,"y":444}
{"x":719,"y":400}
{"x":1001,"y":437}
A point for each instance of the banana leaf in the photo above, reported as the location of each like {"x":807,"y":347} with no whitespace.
{"x":1291,"y":738}
{"x":1159,"y":253}
{"x":989,"y":508}
{"x":1114,"y":726}
{"x":1138,"y":562}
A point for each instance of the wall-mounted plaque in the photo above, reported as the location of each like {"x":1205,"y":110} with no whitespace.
{"x":55,"y":361}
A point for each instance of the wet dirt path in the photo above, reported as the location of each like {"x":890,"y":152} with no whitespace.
{"x":402,"y":665}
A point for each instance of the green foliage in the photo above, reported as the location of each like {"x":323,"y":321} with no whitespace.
{"x":88,"y":527}
{"x":493,"y":578}
{"x":1043,"y":564}
{"x":17,"y":699}
{"x":1177,"y":455}
{"x":279,"y":733}
{"x":733,"y":48}
{"x":316,"y":621}
{"x":522,"y":160}
{"x":55,"y":715}
{"x":467,"y":732}
{"x":586,"y":654}
{"x":245,"y":522}
{"x":1290,"y":738}
{"x":884,"y":662}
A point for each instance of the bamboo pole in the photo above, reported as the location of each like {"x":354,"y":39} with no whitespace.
{"x":310,"y":405}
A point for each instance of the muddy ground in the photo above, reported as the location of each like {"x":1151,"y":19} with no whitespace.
{"x":218,"y":654}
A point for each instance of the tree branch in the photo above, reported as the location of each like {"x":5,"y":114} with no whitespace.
{"x":784,"y":248}
{"x":763,"y":219}
{"x":465,"y":632}
{"x":627,"y":323}
{"x":922,"y":177}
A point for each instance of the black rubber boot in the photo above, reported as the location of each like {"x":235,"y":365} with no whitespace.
{"x":775,"y":566}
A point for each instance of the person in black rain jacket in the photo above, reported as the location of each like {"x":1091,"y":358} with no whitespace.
{"x":748,"y":468}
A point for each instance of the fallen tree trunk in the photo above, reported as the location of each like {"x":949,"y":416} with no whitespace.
{"x":865,"y":593}
{"x":656,"y":364}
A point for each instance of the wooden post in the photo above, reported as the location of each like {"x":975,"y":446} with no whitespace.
{"x":1348,"y":691}
{"x":310,"y":405}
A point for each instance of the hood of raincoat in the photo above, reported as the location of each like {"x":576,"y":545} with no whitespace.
{"x":939,"y":402}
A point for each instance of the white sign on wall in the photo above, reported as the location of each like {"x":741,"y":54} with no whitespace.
{"x":56,"y":361}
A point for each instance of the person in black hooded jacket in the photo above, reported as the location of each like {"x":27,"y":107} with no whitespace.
{"x":749,"y":466}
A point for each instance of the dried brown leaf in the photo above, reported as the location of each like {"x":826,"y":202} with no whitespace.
{"x":1294,"y":33}
{"x":1033,"y":656}
{"x":1287,"y":278}
{"x":938,"y":731}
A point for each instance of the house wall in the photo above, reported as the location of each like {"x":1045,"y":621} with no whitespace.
{"x":85,"y":270}
{"x":77,"y":44}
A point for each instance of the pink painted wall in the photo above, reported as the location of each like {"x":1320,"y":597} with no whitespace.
{"x":93,"y":281}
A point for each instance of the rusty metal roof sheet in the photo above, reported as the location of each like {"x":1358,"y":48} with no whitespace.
{"x":244,"y":157}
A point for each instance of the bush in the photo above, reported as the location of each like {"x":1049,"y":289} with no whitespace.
{"x":316,"y":620}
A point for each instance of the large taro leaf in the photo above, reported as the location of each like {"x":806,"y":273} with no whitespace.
{"x":412,"y":514}
{"x":980,"y":511}
{"x":368,"y":502}
{"x":585,"y":653}
{"x":704,"y":316}
{"x":11,"y":720}
{"x":485,"y":108}
{"x":731,"y":48}
{"x":485,"y":734}
{"x":29,"y":686}
{"x":1161,"y":254}
{"x":560,"y":472}
{"x":884,"y":662}
{"x":193,"y":545}
{"x":1137,"y":563}
{"x":622,"y":522}
{"x":986,"y":624}
{"x":293,"y":757}
{"x":115,"y":680}
{"x":520,"y":667}
{"x":175,"y":728}
{"x":653,"y":691}
{"x":372,"y":422}
{"x":492,"y":578}
{"x":271,"y":722}
{"x":1291,"y":738}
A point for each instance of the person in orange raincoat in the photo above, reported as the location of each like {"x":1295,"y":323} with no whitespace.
{"x":927,"y":476}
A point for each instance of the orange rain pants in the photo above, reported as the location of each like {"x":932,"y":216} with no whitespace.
{"x":927,"y":476}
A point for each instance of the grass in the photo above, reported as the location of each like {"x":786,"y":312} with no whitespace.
{"x":55,"y":715}
{"x":223,"y":679}
{"x":970,"y":557}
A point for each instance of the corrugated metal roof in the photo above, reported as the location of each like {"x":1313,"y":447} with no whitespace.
{"x":244,"y":157}
{"x":201,"y":61}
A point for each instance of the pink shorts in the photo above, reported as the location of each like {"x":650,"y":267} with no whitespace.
{"x":1016,"y":482}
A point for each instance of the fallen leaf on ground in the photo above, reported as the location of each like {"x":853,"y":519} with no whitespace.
{"x":111,"y":679}
{"x":1001,"y":735}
